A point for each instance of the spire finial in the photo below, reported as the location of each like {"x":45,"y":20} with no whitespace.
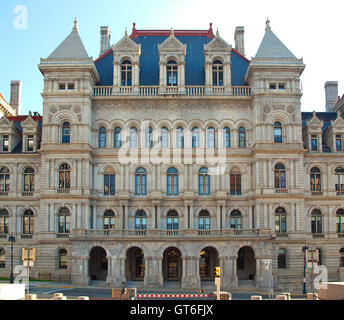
{"x":217,"y":31}
{"x":75,"y":28}
{"x":172,"y":31}
{"x":126,"y":32}
{"x":268,"y":28}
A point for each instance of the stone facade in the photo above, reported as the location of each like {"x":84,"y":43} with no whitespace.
{"x":70,"y":209}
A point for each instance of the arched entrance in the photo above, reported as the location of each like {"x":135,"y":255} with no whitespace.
{"x":209,"y":259}
{"x":135,"y":264}
{"x":98,"y":264}
{"x":172,"y":264}
{"x":246,"y":264}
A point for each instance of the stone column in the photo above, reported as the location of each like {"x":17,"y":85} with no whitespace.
{"x":218,"y":217}
{"x":233,"y":271}
{"x":190,"y":276}
{"x":116,"y":270}
{"x":153,"y":273}
{"x":80,"y":270}
{"x":226,"y":269}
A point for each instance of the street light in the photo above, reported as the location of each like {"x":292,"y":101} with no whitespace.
{"x":12,"y":239}
{"x":304,"y":249}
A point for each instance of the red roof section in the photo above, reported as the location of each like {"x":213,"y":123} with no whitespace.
{"x":22,"y":118}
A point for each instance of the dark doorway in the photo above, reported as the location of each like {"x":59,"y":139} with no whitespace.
{"x":246,"y":264}
{"x":98,"y":265}
{"x":135,"y":264}
{"x":209,"y":259}
{"x":172,"y":264}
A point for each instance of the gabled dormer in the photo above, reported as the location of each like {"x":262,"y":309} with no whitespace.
{"x":9,"y":135}
{"x":172,"y":65}
{"x":312,"y":134}
{"x":217,"y":66}
{"x":31,"y":134}
{"x":126,"y":64}
{"x":334,"y":134}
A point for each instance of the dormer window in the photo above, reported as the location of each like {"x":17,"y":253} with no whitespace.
{"x":30,"y":142}
{"x":126,"y":74}
{"x":338,"y":142}
{"x":66,"y":132}
{"x":5,"y":143}
{"x":314,"y":143}
{"x":217,"y":73}
{"x":172,"y":73}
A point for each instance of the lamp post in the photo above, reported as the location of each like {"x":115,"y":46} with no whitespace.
{"x":12,"y":239}
{"x":304,"y":249}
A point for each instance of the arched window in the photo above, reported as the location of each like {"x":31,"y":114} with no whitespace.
{"x":164,"y":137}
{"x":320,"y":262}
{"x":340,"y":221}
{"x":282,"y":259}
{"x":149,"y":137}
{"x":28,"y":222}
{"x":172,"y":220}
{"x":341,"y":252}
{"x":66,"y":132}
{"x":63,"y":261}
{"x":340,"y":179}
{"x":117,"y":139}
{"x":141,"y":182}
{"x":29,"y":180}
{"x":140,"y":220}
{"x":227,"y":137}
{"x":242,"y":137}
{"x":64,"y":176}
{"x":195,"y":137}
{"x":172,"y":73}
{"x":203,"y":182}
{"x":4,"y":180}
{"x":280,"y":176}
{"x":126,"y":74}
{"x":316,"y":221}
{"x":102,"y":137}
{"x":64,"y":221}
{"x":109,"y":220}
{"x":2,"y":259}
{"x":204,"y":220}
{"x":4,"y":222}
{"x":277,"y":132}
{"x":217,"y":73}
{"x":315,"y":179}
{"x":109,"y":182}
{"x":180,"y":137}
{"x":133,"y":137}
{"x":235,"y":182}
{"x":172,"y":182}
{"x":280,"y":220}
{"x":211,"y":137}
{"x":236,"y":220}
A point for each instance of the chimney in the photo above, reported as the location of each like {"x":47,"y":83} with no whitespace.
{"x":331,"y":93}
{"x":16,"y":96}
{"x":239,"y":40}
{"x":105,"y":39}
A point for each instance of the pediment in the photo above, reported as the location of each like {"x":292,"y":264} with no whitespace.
{"x":217,"y":45}
{"x":126,"y":45}
{"x":29,"y":123}
{"x":172,"y":44}
{"x":315,"y":122}
{"x":339,"y":122}
{"x":5,"y":123}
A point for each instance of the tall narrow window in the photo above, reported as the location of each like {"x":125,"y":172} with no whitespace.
{"x":102,"y":137}
{"x":315,"y":179}
{"x":164,"y":137}
{"x":280,"y":176}
{"x":2,"y":259}
{"x":242,"y":137}
{"x":217,"y":73}
{"x":172,"y":73}
{"x":109,"y":220}
{"x":314,"y":143}
{"x":340,"y":221}
{"x":30,"y":142}
{"x":117,"y":137}
{"x":180,"y":137}
{"x":149,"y":137}
{"x":63,"y":260}
{"x":5,"y":143}
{"x":126,"y":74}
{"x":227,"y":137}
{"x":211,"y":137}
{"x":4,"y":180}
{"x":133,"y":137}
{"x":235,"y":182}
{"x":316,"y":221}
{"x":341,"y":252}
{"x":320,"y":262}
{"x":339,"y":179}
{"x":338,"y":142}
{"x":141,"y":182}
{"x":277,"y":132}
{"x":140,"y":220}
{"x":204,"y":220}
{"x":28,"y":222}
{"x":172,"y":220}
{"x":280,"y":220}
{"x":66,"y":132}
{"x":64,"y":221}
{"x":109,"y":182}
{"x":195,"y":137}
{"x":282,"y":259}
{"x":64,"y":176}
{"x":236,"y":220}
{"x":29,"y":180}
{"x":203,"y":182}
{"x":4,"y":222}
{"x":172,"y":182}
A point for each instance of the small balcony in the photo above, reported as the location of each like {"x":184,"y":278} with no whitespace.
{"x":281,"y":191}
{"x":317,"y":193}
{"x":63,"y":191}
{"x":27,"y":193}
{"x":62,"y":235}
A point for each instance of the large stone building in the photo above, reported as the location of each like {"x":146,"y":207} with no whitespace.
{"x":170,"y":154}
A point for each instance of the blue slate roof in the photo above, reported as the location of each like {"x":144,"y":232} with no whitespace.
{"x":324,"y":116}
{"x":194,"y":62}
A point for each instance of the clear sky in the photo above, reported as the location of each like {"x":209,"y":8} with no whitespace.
{"x":312,"y":30}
